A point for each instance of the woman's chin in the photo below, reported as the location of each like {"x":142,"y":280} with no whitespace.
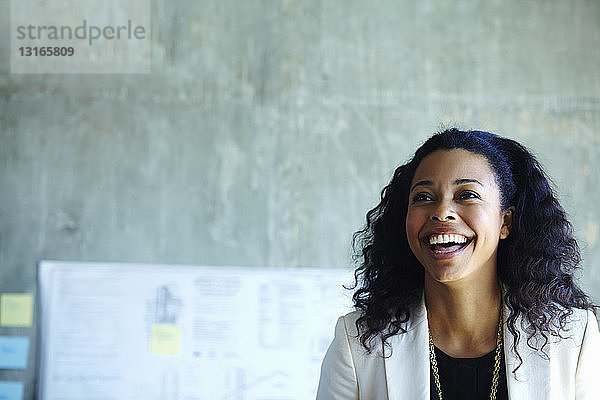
{"x":447,"y":274}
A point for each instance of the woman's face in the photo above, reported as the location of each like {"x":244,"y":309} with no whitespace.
{"x":454,"y":221}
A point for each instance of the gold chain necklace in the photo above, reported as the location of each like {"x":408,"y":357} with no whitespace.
{"x":497,"y":358}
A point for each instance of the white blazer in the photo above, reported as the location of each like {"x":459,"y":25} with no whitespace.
{"x":571,"y":370}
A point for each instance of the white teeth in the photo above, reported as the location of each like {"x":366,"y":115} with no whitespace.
{"x":450,"y":238}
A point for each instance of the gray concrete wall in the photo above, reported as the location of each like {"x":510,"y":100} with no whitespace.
{"x":267,"y":129}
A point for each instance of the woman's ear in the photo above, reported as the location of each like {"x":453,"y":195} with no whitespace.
{"x":507,"y":217}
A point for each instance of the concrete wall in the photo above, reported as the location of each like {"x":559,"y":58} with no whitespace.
{"x":267,"y":129}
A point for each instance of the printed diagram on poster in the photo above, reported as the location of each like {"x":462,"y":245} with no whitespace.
{"x":163,"y":332}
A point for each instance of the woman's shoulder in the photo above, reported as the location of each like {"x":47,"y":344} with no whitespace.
{"x":416,"y":315}
{"x":353,"y":315}
{"x":576,"y":319}
{"x":576,"y":324}
{"x":349,"y":322}
{"x":581,"y":320}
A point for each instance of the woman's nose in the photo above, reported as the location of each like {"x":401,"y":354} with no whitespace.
{"x":443,"y":213}
{"x":442,"y":218}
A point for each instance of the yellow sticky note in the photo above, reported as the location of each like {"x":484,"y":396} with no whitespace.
{"x":166,"y":339}
{"x":16,"y":309}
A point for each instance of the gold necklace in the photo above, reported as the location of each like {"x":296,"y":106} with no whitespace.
{"x":497,"y":357}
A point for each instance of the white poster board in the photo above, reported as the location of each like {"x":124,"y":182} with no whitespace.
{"x":133,"y":331}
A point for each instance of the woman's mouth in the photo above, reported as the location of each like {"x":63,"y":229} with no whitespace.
{"x":446,"y":244}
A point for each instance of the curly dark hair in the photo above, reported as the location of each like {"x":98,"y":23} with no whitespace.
{"x":535,"y":263}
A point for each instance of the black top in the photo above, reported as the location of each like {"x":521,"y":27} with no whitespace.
{"x":468,"y":378}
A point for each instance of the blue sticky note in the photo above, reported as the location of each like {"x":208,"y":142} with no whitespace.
{"x":13,"y":352}
{"x":11,"y":390}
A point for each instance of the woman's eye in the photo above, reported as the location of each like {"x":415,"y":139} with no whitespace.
{"x":468,"y":195}
{"x":421,"y":197}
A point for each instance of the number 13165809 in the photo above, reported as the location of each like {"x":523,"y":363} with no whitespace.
{"x":47,"y":51}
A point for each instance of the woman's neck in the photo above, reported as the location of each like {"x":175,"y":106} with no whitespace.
{"x":463,"y":320}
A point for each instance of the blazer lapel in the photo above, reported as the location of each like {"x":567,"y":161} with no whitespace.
{"x":532,"y":379}
{"x":407,"y":368}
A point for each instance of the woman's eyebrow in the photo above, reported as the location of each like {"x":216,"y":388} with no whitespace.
{"x":464,"y":180}
{"x":456,"y":182}
{"x":421,"y":183}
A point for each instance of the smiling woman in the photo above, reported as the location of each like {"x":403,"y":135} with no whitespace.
{"x":454,"y":218}
{"x":465,"y":288}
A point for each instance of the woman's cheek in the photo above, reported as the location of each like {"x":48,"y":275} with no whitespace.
{"x":485,"y":225}
{"x":412,"y":228}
